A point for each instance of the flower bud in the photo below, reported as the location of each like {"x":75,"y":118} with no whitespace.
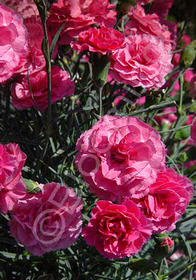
{"x":188,"y":54}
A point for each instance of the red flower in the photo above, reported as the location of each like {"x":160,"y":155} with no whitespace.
{"x":101,"y":40}
{"x":117,"y":230}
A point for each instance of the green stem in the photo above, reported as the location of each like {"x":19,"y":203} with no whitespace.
{"x":172,"y":86}
{"x":41,"y":5}
{"x":155,"y":107}
{"x":181,"y":93}
{"x":100,"y":102}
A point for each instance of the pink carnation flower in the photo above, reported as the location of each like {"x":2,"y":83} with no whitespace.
{"x":143,"y":61}
{"x":62,"y":86}
{"x":79,"y":15}
{"x":140,"y":23}
{"x":193,"y":131}
{"x":167,"y":200}
{"x":120,"y":156}
{"x":12,"y":160}
{"x":48,"y":220}
{"x":161,"y":7}
{"x":168,"y":116}
{"x":36,"y":59}
{"x":168,"y":243}
{"x":101,"y":40}
{"x":26,"y":8}
{"x":117,"y":230}
{"x":192,"y":86}
{"x":13,"y":43}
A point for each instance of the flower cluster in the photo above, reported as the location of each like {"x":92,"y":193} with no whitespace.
{"x":123,"y":159}
{"x":21,"y":52}
{"x":78,"y":16}
{"x":44,"y":221}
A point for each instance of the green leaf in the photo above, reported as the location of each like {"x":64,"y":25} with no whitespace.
{"x":193,"y":107}
{"x":100,"y":68}
{"x":182,"y":133}
{"x":189,"y":54}
{"x":142,"y":265}
{"x":32,"y":186}
{"x":55,"y":39}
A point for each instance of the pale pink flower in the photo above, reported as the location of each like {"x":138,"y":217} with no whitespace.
{"x":117,"y":230}
{"x":142,"y":23}
{"x":62,"y":86}
{"x":79,"y":15}
{"x":167,"y":200}
{"x":12,"y":160}
{"x":48,"y":220}
{"x":13,"y":43}
{"x":144,"y":61}
{"x":103,"y":40}
{"x":120,"y":156}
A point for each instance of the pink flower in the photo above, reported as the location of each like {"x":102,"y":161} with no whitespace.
{"x":168,"y":243}
{"x":167,"y":200}
{"x":26,"y":8}
{"x":141,"y":101}
{"x":192,"y":86}
{"x":168,"y":116}
{"x":79,"y":15}
{"x":101,"y":40}
{"x":117,"y":230}
{"x":12,"y":160}
{"x":161,"y":7}
{"x":141,"y":23}
{"x":143,"y":61}
{"x":13,"y":43}
{"x":62,"y":86}
{"x":36,"y":59}
{"x":143,"y":2}
{"x":120,"y":156}
{"x":193,"y":131}
{"x":48,"y":220}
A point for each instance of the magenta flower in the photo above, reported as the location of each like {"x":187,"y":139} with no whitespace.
{"x":167,"y":200}
{"x":62,"y":86}
{"x":117,"y":230}
{"x":79,"y":15}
